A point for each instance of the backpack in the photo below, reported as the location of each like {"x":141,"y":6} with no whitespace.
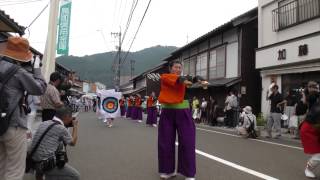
{"x":251,"y":131}
{"x":5,"y":115}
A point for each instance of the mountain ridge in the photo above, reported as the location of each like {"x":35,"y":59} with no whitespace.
{"x":98,"y":67}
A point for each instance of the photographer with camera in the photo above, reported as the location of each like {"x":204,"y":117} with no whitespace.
{"x":18,"y":75}
{"x":48,"y":149}
{"x":51,"y":99}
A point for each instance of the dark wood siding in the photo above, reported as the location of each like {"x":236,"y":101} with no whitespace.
{"x":251,"y":79}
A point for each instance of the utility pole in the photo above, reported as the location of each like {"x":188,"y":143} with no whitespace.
{"x":132,"y":67}
{"x":49,"y":55}
{"x":118,"y":64}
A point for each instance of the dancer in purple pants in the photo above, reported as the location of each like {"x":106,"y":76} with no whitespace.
{"x":152,"y":110}
{"x":175,"y":119}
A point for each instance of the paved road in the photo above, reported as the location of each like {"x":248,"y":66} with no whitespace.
{"x":128,"y":151}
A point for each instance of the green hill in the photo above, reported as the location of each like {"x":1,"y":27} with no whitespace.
{"x":98,"y":67}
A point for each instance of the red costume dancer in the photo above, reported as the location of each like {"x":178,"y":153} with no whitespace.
{"x":138,"y":115}
{"x":129,"y":109}
{"x":176,"y":118}
{"x":310,"y":139}
{"x":152,"y":110}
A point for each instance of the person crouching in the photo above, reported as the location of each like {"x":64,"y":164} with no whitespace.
{"x":247,"y":129}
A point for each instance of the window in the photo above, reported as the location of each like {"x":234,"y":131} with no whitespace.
{"x":217,"y":63}
{"x":192,"y":68}
{"x":201,"y":65}
{"x":189,"y":66}
{"x":186,"y":65}
{"x":291,"y":12}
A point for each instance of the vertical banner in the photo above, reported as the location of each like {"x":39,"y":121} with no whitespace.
{"x":64,"y":27}
{"x":110,"y":107}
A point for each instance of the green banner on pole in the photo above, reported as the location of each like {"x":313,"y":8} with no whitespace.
{"x":64,"y":28}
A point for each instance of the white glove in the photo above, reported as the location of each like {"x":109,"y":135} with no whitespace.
{"x":37,"y":62}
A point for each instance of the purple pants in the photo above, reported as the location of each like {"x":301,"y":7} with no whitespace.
{"x":122,"y":110}
{"x":129,"y":112}
{"x":139,"y":113}
{"x":134,"y":113}
{"x":179,"y":121}
{"x":152,"y":115}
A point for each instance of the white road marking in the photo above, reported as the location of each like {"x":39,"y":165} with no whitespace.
{"x":267,"y":142}
{"x":233,"y":165}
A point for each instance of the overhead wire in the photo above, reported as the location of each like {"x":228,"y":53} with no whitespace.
{"x":18,"y":2}
{"x":133,"y":7}
{"x":145,"y":12}
{"x":45,"y":7}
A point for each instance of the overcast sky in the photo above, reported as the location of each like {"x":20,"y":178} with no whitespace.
{"x":168,"y":22}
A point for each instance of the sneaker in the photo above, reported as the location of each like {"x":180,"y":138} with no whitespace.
{"x":104,"y":120}
{"x":110,"y":125}
{"x":167,"y":176}
{"x":309,"y":173}
{"x":154,"y":125}
{"x":140,"y":121}
{"x":189,"y":178}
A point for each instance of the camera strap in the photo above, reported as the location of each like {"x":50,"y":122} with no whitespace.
{"x":42,"y":136}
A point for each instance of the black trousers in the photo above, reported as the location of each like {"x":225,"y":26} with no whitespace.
{"x":48,"y":114}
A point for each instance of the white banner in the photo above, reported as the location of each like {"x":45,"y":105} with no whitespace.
{"x":109,"y":103}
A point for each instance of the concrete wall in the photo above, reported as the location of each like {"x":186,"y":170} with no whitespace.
{"x":269,"y":57}
{"x":267,"y":36}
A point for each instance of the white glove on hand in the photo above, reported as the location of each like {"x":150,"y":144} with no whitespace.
{"x":37,"y":62}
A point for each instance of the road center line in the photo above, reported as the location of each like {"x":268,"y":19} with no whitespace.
{"x":233,"y":165}
{"x":267,"y":142}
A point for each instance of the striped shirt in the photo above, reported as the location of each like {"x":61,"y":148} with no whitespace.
{"x":50,"y":98}
{"x":50,"y":142}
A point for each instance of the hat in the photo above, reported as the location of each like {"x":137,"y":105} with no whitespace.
{"x":18,"y":49}
{"x":247,"y":109}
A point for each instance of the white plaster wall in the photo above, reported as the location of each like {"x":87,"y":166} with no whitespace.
{"x":269,"y":57}
{"x":232,"y":60}
{"x":267,"y":36}
{"x":266,"y":81}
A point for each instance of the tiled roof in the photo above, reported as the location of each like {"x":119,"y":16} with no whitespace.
{"x":224,"y":27}
{"x":14,"y":26}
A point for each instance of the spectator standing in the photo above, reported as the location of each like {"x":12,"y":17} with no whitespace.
{"x":212,"y":109}
{"x":203,"y":116}
{"x":13,"y":141}
{"x":195,"y":104}
{"x":289,"y":109}
{"x":231,"y":109}
{"x":50,"y":101}
{"x":274,"y":117}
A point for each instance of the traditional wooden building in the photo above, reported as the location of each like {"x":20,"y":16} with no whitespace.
{"x":225,"y":57}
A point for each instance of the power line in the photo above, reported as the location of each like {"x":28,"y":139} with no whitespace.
{"x":133,"y":7}
{"x":38,"y":15}
{"x":18,"y":3}
{"x":145,"y":12}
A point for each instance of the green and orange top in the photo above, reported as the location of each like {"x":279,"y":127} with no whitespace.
{"x":172,"y":92}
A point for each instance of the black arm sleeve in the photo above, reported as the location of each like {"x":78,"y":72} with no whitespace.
{"x":197,"y":78}
{"x":181,"y":79}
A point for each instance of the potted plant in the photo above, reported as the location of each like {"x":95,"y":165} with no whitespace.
{"x":261,"y":123}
